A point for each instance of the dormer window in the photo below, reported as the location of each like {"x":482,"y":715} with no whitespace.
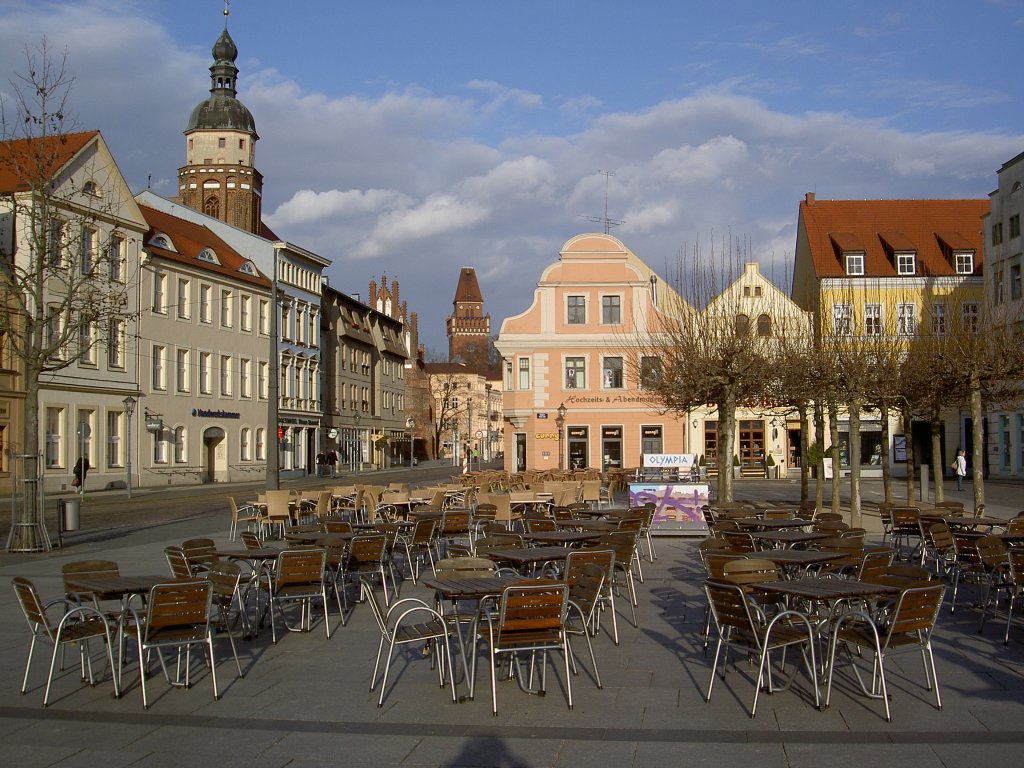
{"x":208,"y":255}
{"x":854,"y":262}
{"x":90,"y":188}
{"x":964,"y":262}
{"x":247,"y":268}
{"x":906,"y":263}
{"x":162,"y":241}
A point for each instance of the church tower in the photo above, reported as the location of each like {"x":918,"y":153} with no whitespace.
{"x":219,"y":177}
{"x":469,"y":329}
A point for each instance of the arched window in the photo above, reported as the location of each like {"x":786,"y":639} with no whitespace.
{"x":742,"y":325}
{"x":212,"y":207}
{"x":244,"y":445}
{"x":261,"y":453}
{"x":764,"y":325}
{"x":180,"y":456}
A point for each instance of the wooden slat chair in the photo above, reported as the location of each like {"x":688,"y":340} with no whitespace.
{"x":585,"y":598}
{"x":980,"y":561}
{"x":530,"y":619}
{"x":299,"y":577}
{"x":226,"y":578}
{"x":278,"y":516}
{"x":178,"y":563}
{"x":623,"y":544}
{"x":77,"y":626}
{"x":201,"y":553}
{"x":740,"y":625}
{"x":177,"y":616}
{"x":367,"y":556}
{"x":419,"y":545}
{"x":575,"y":562}
{"x":906,"y":532}
{"x":909,"y":626}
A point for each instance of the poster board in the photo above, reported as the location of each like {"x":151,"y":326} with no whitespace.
{"x":677,"y":506}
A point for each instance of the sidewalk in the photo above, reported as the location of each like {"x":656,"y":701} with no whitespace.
{"x":305,"y":701}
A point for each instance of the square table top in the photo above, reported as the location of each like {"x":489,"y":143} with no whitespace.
{"x":117,"y":585}
{"x":263,"y":553}
{"x":818,"y":588}
{"x":588,"y":525}
{"x":562,"y":537}
{"x":529,"y":555}
{"x":797,"y":556}
{"x":790,"y":537}
{"x":771,"y":523}
{"x":459,"y":588}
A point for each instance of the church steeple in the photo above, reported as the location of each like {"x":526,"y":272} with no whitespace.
{"x":219,"y":177}
{"x":469,"y":329}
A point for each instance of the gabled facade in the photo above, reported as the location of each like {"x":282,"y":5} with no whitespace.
{"x":1004,"y":297}
{"x":570,"y":348}
{"x":364,"y":369}
{"x":205,"y":338}
{"x":889,"y":270}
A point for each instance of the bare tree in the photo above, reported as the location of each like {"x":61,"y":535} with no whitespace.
{"x":64,"y":284}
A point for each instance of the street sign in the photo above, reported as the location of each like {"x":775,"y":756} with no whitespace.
{"x":480,"y":434}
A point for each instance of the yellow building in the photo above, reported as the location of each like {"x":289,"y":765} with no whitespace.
{"x":891,"y":269}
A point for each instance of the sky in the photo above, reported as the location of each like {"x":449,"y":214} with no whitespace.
{"x":407,"y":139}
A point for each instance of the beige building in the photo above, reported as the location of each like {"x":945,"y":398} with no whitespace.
{"x":205,"y":342}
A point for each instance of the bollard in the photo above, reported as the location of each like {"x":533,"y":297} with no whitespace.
{"x":70,"y":514}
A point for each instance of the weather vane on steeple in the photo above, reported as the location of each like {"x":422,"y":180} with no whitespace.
{"x":225,"y":13}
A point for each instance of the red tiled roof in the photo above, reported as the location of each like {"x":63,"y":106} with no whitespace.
{"x":23,"y":161}
{"x":190,"y":239}
{"x":931,"y":228}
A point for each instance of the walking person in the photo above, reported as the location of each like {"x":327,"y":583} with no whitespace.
{"x":332,"y":462}
{"x":960,"y":468}
{"x":321,"y":459}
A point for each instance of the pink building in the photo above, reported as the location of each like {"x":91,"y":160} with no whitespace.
{"x":575,"y":348}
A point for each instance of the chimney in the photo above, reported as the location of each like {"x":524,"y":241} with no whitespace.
{"x":809,"y":198}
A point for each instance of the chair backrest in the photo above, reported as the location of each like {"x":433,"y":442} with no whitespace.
{"x":423,"y":532}
{"x":178,"y":563}
{"x":622,"y":543}
{"x":455,"y":522}
{"x":591,"y":491}
{"x":915,"y":614}
{"x":1016,"y":560}
{"x":905,"y":517}
{"x":539,"y":524}
{"x":201,"y":552}
{"x":366,"y":548}
{"x":251,"y":541}
{"x":532,"y":612}
{"x":828,"y":517}
{"x":32,"y":607}
{"x":464,"y":567}
{"x":992,"y":551}
{"x":875,"y":563}
{"x":1015,"y":526}
{"x":940,"y":537}
{"x":181,"y":608}
{"x":739,"y":541}
{"x":485,"y":510}
{"x":303,"y":565}
{"x":279,"y":505}
{"x":579,"y":559}
{"x":502,"y":507}
{"x":88,"y":569}
{"x":224,"y":576}
{"x":830,"y":526}
{"x":585,"y":589}
{"x":730,"y":608}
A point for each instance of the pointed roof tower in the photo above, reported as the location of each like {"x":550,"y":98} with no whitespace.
{"x":219,"y":177}
{"x":469,"y":329}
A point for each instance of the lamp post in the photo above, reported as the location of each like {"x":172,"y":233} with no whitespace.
{"x":560,"y":423}
{"x":469,"y":433}
{"x":410,"y":425}
{"x":357,"y":455}
{"x":129,"y":409}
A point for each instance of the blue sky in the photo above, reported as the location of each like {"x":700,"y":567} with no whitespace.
{"x":412,"y":138}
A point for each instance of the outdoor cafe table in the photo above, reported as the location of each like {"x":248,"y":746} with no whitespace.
{"x":530,"y":556}
{"x":454,"y":589}
{"x":789,"y":538}
{"x":562,"y":537}
{"x":816,"y":589}
{"x":425,"y":514}
{"x":965,"y":521}
{"x":116,"y":586}
{"x":794,"y":560}
{"x":588,"y":525}
{"x":771,"y":523}
{"x":312,"y":537}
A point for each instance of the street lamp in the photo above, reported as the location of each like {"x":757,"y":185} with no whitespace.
{"x":129,"y":409}
{"x":560,"y":423}
{"x":410,"y":425}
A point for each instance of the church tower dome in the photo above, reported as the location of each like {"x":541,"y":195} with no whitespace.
{"x":219,"y":177}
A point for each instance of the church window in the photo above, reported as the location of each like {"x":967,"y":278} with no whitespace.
{"x":212,"y":207}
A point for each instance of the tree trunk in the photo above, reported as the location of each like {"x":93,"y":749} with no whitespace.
{"x":833,"y":436}
{"x":726,"y":445}
{"x":819,"y":438}
{"x":977,"y":438}
{"x":908,"y":435}
{"x":938,"y":460}
{"x":883,"y":410}
{"x":805,"y":444}
{"x":855,"y":519}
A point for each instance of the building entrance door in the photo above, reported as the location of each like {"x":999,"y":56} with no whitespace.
{"x":651,"y":440}
{"x":579,"y":456}
{"x":520,"y":452}
{"x":611,"y":448}
{"x":751,"y":443}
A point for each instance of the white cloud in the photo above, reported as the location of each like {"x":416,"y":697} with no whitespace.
{"x":307,"y":206}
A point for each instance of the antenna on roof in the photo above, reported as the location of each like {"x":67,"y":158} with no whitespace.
{"x":608,"y":223}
